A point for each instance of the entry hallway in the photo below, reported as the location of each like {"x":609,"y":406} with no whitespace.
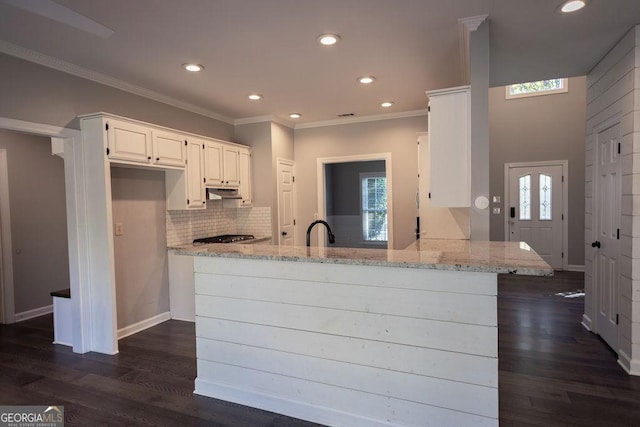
{"x":552,"y":371}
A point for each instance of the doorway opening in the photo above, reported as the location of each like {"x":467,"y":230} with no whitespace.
{"x":34,"y":252}
{"x":355,"y":198}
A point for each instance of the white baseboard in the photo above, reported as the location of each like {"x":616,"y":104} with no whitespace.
{"x":183,"y":319}
{"x":586,"y":322}
{"x":292,"y":408}
{"x":30,"y":314}
{"x":145,"y":324}
{"x":579,"y":268}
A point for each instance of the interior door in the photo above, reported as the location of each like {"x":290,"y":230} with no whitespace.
{"x":536,"y":211}
{"x":607,"y":199}
{"x":286,"y":219}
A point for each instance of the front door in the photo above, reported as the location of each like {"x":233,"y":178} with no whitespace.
{"x":536,"y":210}
{"x":607,"y":230}
{"x":286,"y":220}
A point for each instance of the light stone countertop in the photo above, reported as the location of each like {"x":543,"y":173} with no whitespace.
{"x":453,"y":255}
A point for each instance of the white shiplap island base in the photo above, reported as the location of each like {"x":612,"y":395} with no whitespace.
{"x":351,"y":337}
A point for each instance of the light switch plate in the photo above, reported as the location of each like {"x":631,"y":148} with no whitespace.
{"x":496,"y":211}
{"x":119,"y":229}
{"x":496,"y":199}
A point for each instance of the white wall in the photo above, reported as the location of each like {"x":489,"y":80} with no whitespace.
{"x":396,"y":136}
{"x":38,"y":219}
{"x":613,"y":90}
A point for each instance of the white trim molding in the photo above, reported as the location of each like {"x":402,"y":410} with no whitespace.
{"x":465,"y":26}
{"x":363,"y":119}
{"x":7,"y":311}
{"x":144,"y":324}
{"x":321,"y":189}
{"x":586,"y":323}
{"x":30,"y":314}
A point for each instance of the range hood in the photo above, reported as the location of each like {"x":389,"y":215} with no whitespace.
{"x":222,"y":193}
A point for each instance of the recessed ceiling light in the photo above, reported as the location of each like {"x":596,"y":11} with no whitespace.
{"x":194,"y":68}
{"x":365,"y":80}
{"x":295,"y":115}
{"x":573,"y":6}
{"x":328,"y":39}
{"x":255,"y":97}
{"x":386,"y":104}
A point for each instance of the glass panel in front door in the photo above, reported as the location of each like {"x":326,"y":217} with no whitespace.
{"x":525,"y":197}
{"x":545,"y":198}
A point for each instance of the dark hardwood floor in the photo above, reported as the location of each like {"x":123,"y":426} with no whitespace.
{"x":552,"y":371}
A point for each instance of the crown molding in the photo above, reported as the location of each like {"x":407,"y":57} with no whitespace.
{"x":363,"y":119}
{"x":465,"y":26}
{"x":262,"y":119}
{"x":66,"y":67}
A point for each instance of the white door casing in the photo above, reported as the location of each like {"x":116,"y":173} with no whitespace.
{"x":7,"y":309}
{"x":606,"y":244}
{"x":286,"y":212}
{"x":322,"y":191}
{"x":536,"y":209}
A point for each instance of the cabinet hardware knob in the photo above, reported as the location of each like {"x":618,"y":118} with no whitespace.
{"x":284,"y":233}
{"x":149,"y":158}
{"x":595,"y":244}
{"x":157,"y":159}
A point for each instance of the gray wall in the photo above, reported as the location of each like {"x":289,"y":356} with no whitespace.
{"x":258,"y":137}
{"x":39,"y":94}
{"x":343,"y":195}
{"x":396,"y":136}
{"x":38,"y":219}
{"x":142,"y":280}
{"x":550,"y":127}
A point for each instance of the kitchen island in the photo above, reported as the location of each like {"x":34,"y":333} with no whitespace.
{"x":355,"y":337}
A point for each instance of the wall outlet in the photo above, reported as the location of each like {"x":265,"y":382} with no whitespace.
{"x":119,"y":229}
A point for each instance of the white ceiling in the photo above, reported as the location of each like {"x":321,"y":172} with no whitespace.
{"x":269,"y":47}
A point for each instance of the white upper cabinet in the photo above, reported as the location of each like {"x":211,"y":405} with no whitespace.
{"x":222,"y":165}
{"x":191,"y":162}
{"x":169,"y":149}
{"x":450,"y":147}
{"x":128,"y":141}
{"x":132,"y":142}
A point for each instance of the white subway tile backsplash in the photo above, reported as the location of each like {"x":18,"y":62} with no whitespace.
{"x":184,"y":226}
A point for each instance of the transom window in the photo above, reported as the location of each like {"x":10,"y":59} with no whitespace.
{"x":374,"y":207}
{"x":541,"y":87}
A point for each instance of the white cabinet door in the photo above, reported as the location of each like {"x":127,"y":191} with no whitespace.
{"x":169,"y":149}
{"x":196,"y":195}
{"x":128,"y":142}
{"x":231,"y":167}
{"x":213,"y":158}
{"x":449,"y":145}
{"x":245,"y":176}
{"x":185,"y":187}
